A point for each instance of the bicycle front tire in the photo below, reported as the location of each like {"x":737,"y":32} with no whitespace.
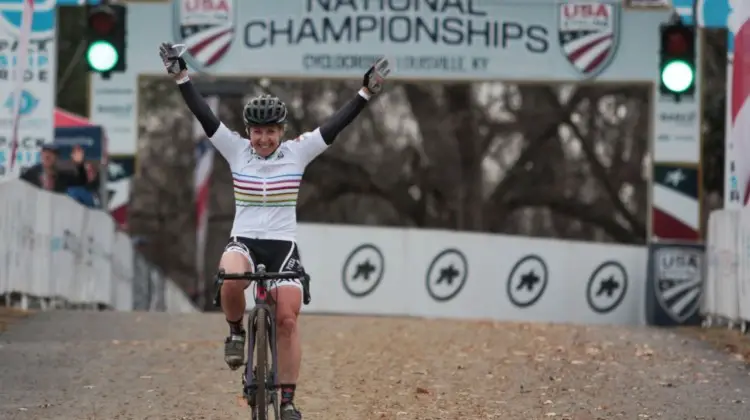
{"x":261,"y":364}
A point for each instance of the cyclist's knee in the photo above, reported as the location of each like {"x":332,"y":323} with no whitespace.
{"x":287,"y":310}
{"x":286,"y":323}
{"x":234,"y":263}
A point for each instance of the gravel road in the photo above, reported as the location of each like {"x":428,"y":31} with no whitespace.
{"x":88,"y":365}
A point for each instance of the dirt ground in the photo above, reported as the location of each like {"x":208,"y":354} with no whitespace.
{"x":10,"y":315}
{"x":88,"y":365}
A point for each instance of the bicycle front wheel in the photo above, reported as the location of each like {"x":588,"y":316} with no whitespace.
{"x":262,"y":365}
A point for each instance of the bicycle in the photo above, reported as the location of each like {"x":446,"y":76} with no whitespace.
{"x":260,"y":382}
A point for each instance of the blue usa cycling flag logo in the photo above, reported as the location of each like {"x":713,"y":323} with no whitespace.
{"x":206,"y":27}
{"x":589,"y":33}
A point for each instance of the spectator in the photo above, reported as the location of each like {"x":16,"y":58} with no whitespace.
{"x":88,"y":194}
{"x":49,"y":176}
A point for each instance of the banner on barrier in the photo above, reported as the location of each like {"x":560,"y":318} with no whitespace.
{"x":727,"y":288}
{"x":417,"y":272}
{"x":53,"y":247}
{"x":675,"y":284}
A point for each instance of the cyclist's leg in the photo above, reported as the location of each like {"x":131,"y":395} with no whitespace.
{"x":287,"y":295}
{"x":237,"y":258}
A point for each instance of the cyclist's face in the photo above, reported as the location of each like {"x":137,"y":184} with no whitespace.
{"x":265,"y":138}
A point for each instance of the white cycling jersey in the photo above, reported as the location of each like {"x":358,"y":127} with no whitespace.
{"x":265,"y":189}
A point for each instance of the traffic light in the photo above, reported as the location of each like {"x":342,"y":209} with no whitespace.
{"x":106,"y":33}
{"x":677,"y":62}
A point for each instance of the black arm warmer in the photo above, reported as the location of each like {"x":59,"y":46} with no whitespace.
{"x":338,"y":121}
{"x":199,"y":108}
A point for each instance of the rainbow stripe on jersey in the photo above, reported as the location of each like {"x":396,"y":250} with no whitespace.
{"x":273,"y":191}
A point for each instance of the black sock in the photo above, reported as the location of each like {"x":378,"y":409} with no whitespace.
{"x":287,"y":393}
{"x":235,"y":327}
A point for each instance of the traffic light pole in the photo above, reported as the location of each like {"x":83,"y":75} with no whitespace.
{"x":675,"y":179}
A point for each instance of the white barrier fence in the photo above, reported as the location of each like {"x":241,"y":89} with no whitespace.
{"x":54,"y":248}
{"x":727,"y":289}
{"x":439,"y":273}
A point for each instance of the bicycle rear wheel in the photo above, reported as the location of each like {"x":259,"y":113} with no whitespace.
{"x":263,"y":374}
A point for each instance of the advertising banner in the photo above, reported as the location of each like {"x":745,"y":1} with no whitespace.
{"x":648,"y":4}
{"x":37,"y":95}
{"x":89,"y":138}
{"x":539,"y":41}
{"x":675,"y":284}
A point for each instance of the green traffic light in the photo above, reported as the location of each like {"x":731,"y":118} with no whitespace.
{"x":677,"y":76}
{"x":102,"y":56}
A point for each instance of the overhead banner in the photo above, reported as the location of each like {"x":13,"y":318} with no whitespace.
{"x":37,"y":96}
{"x":540,"y":41}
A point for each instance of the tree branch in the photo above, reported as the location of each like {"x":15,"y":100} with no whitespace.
{"x":586,"y":213}
{"x":601,"y":173}
{"x":352,"y":178}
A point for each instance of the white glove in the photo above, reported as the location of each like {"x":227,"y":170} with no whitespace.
{"x":376,"y":75}
{"x":171,"y":56}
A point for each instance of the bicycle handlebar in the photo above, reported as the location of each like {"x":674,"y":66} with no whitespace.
{"x":262,"y":275}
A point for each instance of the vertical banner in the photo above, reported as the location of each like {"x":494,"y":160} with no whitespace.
{"x":19,"y":73}
{"x":676,"y":205}
{"x":204,"y":157}
{"x":738,"y":90}
{"x":35,"y":101}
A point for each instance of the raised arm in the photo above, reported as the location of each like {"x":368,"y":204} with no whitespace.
{"x":197,"y":104}
{"x":344,"y":116}
{"x":371,"y":85}
{"x":229,"y":144}
{"x":309,"y":145}
{"x":177,"y":68}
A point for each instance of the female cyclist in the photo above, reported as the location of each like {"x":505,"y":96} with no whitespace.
{"x":267,"y":173}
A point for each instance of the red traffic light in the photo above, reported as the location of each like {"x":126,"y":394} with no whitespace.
{"x":677,"y":40}
{"x":102,"y":20}
{"x":676,"y":43}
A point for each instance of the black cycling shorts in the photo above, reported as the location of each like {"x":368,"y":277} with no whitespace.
{"x":276,"y":255}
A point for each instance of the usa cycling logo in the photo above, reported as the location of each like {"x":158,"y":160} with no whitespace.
{"x":29,"y":103}
{"x":42,"y":24}
{"x":678,"y":279}
{"x":206,"y":27}
{"x":589,"y":34}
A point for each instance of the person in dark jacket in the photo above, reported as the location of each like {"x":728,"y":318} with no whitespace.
{"x":49,"y":176}
{"x":88,"y":194}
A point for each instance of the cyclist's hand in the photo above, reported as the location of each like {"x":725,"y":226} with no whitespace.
{"x":171,"y":56}
{"x":376,"y":75}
